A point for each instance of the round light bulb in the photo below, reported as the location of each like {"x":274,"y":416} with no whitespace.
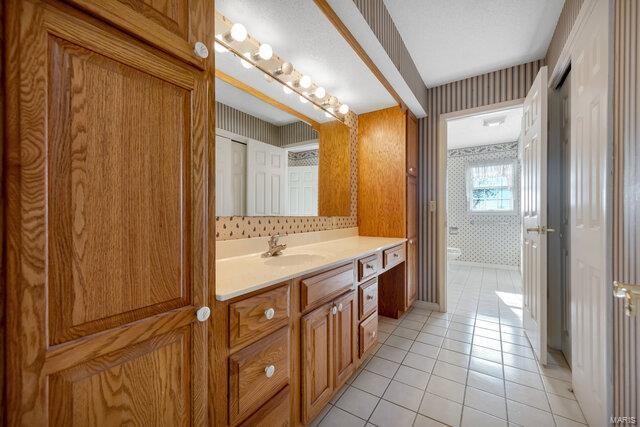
{"x":246,"y":64}
{"x":344,"y":109}
{"x":305,"y":82}
{"x":286,"y":68}
{"x":320,"y":92}
{"x":219,"y":48}
{"x":265,"y":51}
{"x":238,"y":32}
{"x":287,"y":90}
{"x":303,"y":99}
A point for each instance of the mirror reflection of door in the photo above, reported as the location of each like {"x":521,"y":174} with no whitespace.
{"x":231,"y":173}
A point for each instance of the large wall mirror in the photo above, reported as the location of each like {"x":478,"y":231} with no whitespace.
{"x":279,"y":152}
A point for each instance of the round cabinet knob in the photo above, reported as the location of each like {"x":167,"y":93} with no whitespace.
{"x":411,"y":242}
{"x":269,"y":371}
{"x":340,"y":307}
{"x":203,"y":313}
{"x":373,"y":334}
{"x":334,"y":309}
{"x":201,"y":50}
{"x":410,"y":170}
{"x":269,"y":313}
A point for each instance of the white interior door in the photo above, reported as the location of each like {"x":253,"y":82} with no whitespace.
{"x":238,"y":178}
{"x":266,"y":176}
{"x":303,"y":190}
{"x":534,"y":215}
{"x":223,"y":176}
{"x":588,"y":221}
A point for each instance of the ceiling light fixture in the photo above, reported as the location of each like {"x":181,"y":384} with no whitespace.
{"x":238,"y":32}
{"x":305,"y":82}
{"x":234,"y":38}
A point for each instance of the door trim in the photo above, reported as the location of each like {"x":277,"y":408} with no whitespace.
{"x":441,"y":207}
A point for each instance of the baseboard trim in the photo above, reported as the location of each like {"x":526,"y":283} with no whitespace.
{"x":426,"y":305}
{"x":484,"y":264}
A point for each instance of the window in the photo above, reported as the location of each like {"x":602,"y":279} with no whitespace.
{"x":490,"y":187}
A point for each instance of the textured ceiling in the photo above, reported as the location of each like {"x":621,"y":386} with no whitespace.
{"x":301,"y":34}
{"x":241,"y":100}
{"x":454,"y":39}
{"x":470,"y":131}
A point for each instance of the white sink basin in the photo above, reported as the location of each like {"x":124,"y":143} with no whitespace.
{"x":286,"y":260}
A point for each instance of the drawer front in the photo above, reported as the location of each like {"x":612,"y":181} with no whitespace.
{"x":367,"y":298}
{"x":325,"y":286}
{"x":275,"y":413}
{"x":368,"y":333}
{"x":368,"y":267}
{"x":393,"y":256}
{"x":258,"y":316}
{"x":257,"y":373}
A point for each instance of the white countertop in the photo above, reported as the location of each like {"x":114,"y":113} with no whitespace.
{"x":239,"y":275}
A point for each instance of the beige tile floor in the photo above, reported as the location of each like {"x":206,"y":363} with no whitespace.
{"x":470,"y":367}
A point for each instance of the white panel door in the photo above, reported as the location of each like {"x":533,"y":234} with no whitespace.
{"x":223,"y":176}
{"x":303,"y":190}
{"x":238,"y":178}
{"x":590,"y":304}
{"x":534,"y":215}
{"x":266,"y":169}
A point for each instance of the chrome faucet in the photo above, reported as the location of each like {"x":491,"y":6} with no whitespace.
{"x":274,"y":248}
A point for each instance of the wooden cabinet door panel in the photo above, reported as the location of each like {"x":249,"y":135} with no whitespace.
{"x":172,"y":25}
{"x":412,"y":207}
{"x":412,"y":145}
{"x":412,"y":271}
{"x":106,"y":166}
{"x":317,"y":361}
{"x":345,"y":338}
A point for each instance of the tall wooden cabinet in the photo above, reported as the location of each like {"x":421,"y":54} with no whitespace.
{"x":387,"y":196}
{"x":107,"y":162}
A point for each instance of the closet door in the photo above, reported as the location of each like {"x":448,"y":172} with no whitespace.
{"x":106,"y":256}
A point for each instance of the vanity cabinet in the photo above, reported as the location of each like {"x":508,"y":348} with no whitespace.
{"x":329,"y":352}
{"x":388,"y":197}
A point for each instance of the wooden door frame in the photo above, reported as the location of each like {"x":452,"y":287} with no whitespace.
{"x":441,"y":214}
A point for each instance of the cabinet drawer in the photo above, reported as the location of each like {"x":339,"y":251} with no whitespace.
{"x":368,"y":333}
{"x":257,"y":373}
{"x":258,"y":316}
{"x":393,"y":256}
{"x":325,"y":286}
{"x":368,"y":267}
{"x":275,"y":413}
{"x":367,"y":298}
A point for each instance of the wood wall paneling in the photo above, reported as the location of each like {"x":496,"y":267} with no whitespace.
{"x":498,"y":86}
{"x":626,"y":211}
{"x":334,"y":170}
{"x":381,"y":173}
{"x":106,"y":190}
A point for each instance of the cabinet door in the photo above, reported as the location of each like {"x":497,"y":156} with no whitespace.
{"x":412,"y":145}
{"x":345,"y":338}
{"x":412,"y":207}
{"x":105,"y":219}
{"x":317,"y":361}
{"x":412,"y":271}
{"x":171,"y":25}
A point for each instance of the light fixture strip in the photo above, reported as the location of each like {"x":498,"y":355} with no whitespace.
{"x":275,"y":59}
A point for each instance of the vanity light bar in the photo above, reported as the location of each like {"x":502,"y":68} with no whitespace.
{"x":233,"y":37}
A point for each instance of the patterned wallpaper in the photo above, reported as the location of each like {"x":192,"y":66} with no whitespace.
{"x":241,"y":227}
{"x":241,"y":123}
{"x":483,"y":238}
{"x":567,"y":18}
{"x":497,"y":86}
{"x":303,"y":158}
